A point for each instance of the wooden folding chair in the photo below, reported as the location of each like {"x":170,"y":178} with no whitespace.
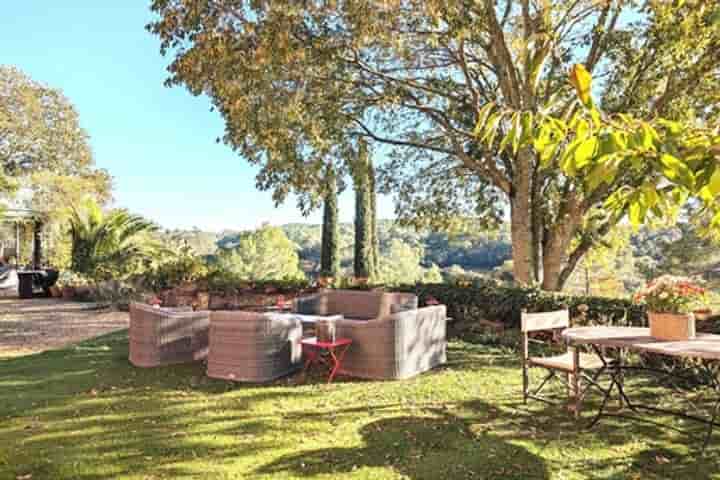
{"x":571,"y":363}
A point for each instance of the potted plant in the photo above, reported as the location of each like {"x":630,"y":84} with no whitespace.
{"x":55,"y":291}
{"x":66,"y":284}
{"x":670,"y":301}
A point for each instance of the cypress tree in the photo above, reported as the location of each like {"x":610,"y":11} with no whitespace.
{"x":363,"y":265}
{"x":329,"y":258}
{"x":374,"y":240}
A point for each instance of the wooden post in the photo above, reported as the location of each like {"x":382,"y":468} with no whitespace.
{"x":526,"y":354}
{"x":37,"y":245}
{"x":17,"y":243}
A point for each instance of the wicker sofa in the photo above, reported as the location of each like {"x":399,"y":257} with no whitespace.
{"x":165,"y":336}
{"x":392,"y":338}
{"x":253,"y":347}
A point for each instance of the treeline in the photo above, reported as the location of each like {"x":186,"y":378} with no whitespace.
{"x":482,"y":251}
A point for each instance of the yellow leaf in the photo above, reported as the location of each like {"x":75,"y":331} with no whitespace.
{"x":582,"y":81}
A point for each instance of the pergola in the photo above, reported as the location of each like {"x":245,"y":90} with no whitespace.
{"x":18,"y":217}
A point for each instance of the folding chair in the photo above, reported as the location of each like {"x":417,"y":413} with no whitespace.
{"x":571,"y":363}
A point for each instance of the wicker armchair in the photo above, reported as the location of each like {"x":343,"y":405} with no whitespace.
{"x":163,"y":336}
{"x":399,"y":346}
{"x":392,"y":338}
{"x":253,"y":347}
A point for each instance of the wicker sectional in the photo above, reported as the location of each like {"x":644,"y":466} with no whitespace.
{"x":392,"y":338}
{"x":253,"y":347}
{"x":160,"y":336}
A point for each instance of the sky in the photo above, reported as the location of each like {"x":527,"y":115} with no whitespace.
{"x":158,"y":143}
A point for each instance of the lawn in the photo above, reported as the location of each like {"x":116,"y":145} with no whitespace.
{"x":86,"y":413}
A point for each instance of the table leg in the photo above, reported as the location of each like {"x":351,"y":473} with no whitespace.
{"x":576,"y":381}
{"x":312,"y":355}
{"x":337,"y":360}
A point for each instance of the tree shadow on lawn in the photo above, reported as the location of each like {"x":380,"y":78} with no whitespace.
{"x":85,"y":412}
{"x":419,"y":448}
{"x":618,"y":447}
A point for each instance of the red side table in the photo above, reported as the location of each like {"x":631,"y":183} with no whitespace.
{"x":336,"y":351}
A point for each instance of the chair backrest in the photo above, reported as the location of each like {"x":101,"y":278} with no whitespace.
{"x":532,"y":322}
{"x":356,"y":304}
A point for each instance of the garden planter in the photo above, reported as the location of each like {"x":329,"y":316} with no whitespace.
{"x":55,"y":291}
{"x":68,"y":293}
{"x":672,"y":326}
{"x":702,"y":315}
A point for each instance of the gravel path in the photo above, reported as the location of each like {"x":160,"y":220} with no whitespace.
{"x":31,"y":326}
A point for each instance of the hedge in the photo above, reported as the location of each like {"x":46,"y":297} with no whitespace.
{"x":504,"y":304}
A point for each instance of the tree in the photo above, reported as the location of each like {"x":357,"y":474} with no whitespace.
{"x":366,"y":244}
{"x":39,"y":128}
{"x":291,"y":78}
{"x":44,"y":150}
{"x":261,"y":255}
{"x":329,"y":252}
{"x":609,"y":267}
{"x":110,"y":245}
{"x":401,"y":264}
{"x":680,"y":249}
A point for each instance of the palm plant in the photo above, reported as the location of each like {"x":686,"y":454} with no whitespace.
{"x":109,"y":245}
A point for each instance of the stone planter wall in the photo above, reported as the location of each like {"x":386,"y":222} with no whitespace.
{"x":186,"y":296}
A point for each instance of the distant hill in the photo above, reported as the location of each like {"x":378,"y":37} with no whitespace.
{"x":480,"y":251}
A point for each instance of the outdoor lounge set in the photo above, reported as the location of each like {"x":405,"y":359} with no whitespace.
{"x":386,"y":336}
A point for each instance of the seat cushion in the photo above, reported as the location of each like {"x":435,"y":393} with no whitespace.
{"x":565,"y":362}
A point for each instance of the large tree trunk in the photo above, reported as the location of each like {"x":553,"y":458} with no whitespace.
{"x":329,"y":258}
{"x":521,"y":221}
{"x":555,"y":251}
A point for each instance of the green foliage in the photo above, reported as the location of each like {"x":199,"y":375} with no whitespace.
{"x":109,"y":245}
{"x":329,"y":251}
{"x":504,"y":304}
{"x":39,"y":128}
{"x":401,"y":265}
{"x":264,"y":254}
{"x":202,"y":243}
{"x":325,"y":76}
{"x":365,"y":223}
{"x":175,"y":265}
{"x":44,"y":151}
{"x":641,"y":168}
{"x":609,"y":269}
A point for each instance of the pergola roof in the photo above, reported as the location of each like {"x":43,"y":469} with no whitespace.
{"x":17,"y":214}
{"x":19,"y":207}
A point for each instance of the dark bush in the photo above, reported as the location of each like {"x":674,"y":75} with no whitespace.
{"x":504,"y":304}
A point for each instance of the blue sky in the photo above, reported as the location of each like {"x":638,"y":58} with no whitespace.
{"x":158,"y":143}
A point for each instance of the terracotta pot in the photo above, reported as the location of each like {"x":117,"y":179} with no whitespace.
{"x":672,"y":326}
{"x":55,"y":291}
{"x":68,"y":292}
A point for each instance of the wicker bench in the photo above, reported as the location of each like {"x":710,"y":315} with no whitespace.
{"x":253,"y":347}
{"x":163,"y":336}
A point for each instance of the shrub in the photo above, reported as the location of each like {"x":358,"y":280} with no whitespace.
{"x":173,"y":267}
{"x":504,"y":304}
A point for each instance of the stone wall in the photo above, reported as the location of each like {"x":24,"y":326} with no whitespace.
{"x":189,"y":295}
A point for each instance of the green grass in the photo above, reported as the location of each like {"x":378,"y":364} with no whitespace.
{"x":86,"y":413}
